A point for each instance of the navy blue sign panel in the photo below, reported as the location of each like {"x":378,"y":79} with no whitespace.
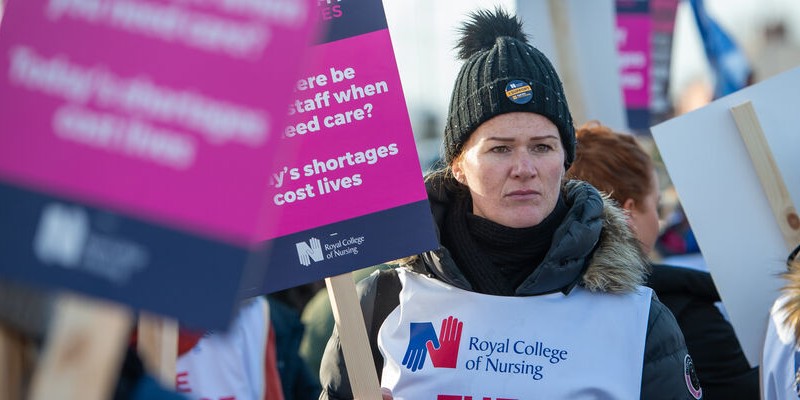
{"x":345,"y":246}
{"x":636,"y":6}
{"x":62,"y":244}
{"x":348,"y":18}
{"x":639,"y":120}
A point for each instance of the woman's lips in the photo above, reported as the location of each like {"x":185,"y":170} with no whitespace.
{"x":517,"y":194}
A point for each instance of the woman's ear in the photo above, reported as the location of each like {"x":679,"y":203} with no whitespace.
{"x":628,"y":206}
{"x":458,"y":173}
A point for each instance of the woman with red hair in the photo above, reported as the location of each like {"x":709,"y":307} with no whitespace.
{"x":617,"y":165}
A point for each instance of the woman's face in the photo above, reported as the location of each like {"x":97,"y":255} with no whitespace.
{"x":644,"y":215}
{"x":513,"y":165}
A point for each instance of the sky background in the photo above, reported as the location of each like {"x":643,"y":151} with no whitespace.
{"x":424,"y":32}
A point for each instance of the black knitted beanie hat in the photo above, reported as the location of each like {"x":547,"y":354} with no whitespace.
{"x":502,"y":73}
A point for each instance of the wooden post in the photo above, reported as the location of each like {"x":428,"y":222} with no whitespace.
{"x":157,"y":344}
{"x":566,"y":52}
{"x":12,"y":358}
{"x":768,"y":173}
{"x":85,"y":345}
{"x":353,"y":337}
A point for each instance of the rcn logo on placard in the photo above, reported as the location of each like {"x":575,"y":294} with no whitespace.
{"x":443,"y":348}
{"x":61,"y":235}
{"x":309,"y":251}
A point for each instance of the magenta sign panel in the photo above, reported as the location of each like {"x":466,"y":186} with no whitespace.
{"x":144,"y":128}
{"x":634,"y":26}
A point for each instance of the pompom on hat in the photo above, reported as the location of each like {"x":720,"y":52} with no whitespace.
{"x":502,"y":73}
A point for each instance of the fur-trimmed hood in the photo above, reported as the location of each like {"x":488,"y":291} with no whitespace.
{"x":618,"y":265}
{"x":592,"y":247}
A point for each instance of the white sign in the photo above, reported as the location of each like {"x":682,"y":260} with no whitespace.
{"x":592,"y":50}
{"x":722,"y":196}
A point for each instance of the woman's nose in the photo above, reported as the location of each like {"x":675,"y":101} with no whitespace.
{"x":523,"y":166}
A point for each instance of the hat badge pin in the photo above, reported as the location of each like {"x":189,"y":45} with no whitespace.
{"x":519,"y":91}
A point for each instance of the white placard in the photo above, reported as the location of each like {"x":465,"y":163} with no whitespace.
{"x":592,"y":51}
{"x":723,"y":199}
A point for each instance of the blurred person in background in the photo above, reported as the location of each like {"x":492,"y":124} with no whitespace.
{"x":617,"y":165}
{"x":318,"y":321}
{"x":299,"y":382}
{"x":236,"y":364}
{"x":780,"y":361}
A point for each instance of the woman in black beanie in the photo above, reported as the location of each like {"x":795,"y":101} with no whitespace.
{"x":536,"y":290}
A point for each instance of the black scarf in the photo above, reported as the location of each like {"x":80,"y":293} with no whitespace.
{"x":495,"y":258}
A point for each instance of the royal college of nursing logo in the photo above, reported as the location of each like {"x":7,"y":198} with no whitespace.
{"x":334,"y":247}
{"x":61,"y":235}
{"x":442,"y":349}
{"x":309,"y":251}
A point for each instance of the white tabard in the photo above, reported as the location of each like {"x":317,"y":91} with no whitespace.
{"x":230,"y":365}
{"x":444,"y":343}
{"x":780,"y":358}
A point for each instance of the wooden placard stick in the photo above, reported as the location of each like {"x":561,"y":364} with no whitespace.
{"x":157,"y":344}
{"x":353,"y":337}
{"x":12,"y":362}
{"x":768,"y":173}
{"x":85,"y":346}
{"x":566,"y":52}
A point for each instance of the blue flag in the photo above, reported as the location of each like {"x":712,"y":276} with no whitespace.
{"x":729,"y":64}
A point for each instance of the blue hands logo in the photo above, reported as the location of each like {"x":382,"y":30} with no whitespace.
{"x":417,"y":352}
{"x":423,"y":340}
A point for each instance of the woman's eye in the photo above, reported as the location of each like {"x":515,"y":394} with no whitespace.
{"x":500,"y":149}
{"x":542,"y":148}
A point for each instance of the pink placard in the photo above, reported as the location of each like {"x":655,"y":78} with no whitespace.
{"x":633,"y":42}
{"x":168,"y":111}
{"x":348,"y":148}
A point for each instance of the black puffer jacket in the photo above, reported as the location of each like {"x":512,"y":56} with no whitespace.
{"x":719,"y":359}
{"x":593,"y":247}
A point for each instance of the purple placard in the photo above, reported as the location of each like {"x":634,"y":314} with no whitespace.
{"x":135,"y":143}
{"x":158,"y":109}
{"x":633,"y":44}
{"x":347,"y":185}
